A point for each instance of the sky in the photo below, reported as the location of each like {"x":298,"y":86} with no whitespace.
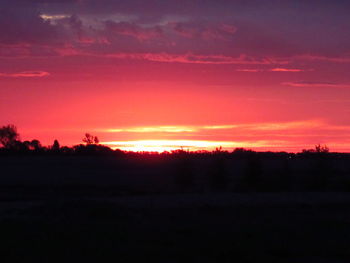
{"x":164,"y":74}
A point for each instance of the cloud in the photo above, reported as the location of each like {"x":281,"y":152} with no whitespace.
{"x":335,"y":59}
{"x":167,"y":129}
{"x":133,"y":30}
{"x":26,"y":74}
{"x":286,"y":70}
{"x":22,"y":24}
{"x":196,"y":59}
{"x":269,"y":126}
{"x":272,"y":70}
{"x":205,"y":31}
{"x":53,"y":18}
{"x":316,"y":84}
{"x":250,"y":70}
{"x":205,"y":28}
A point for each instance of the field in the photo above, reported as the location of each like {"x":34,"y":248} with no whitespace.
{"x":56,"y":209}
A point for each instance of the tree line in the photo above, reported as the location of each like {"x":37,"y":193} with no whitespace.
{"x":10,"y":142}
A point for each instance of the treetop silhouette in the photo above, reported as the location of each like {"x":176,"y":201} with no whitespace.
{"x":90,"y":139}
{"x":8,"y":136}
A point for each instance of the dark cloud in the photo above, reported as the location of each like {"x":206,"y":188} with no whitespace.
{"x":133,"y":30}
{"x":23,"y":25}
{"x":272,"y":29}
{"x":203,"y":30}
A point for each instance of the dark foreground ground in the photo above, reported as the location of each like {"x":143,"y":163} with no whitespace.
{"x":279,"y":227}
{"x":103,"y":210}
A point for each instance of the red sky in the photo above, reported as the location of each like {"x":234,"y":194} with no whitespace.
{"x":198,"y":74}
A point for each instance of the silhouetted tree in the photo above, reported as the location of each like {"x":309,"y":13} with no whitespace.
{"x":66,"y":150}
{"x":33,"y":145}
{"x":92,"y":149}
{"x":27,"y":145}
{"x":321,"y":149}
{"x":36,"y":145}
{"x":239,"y":150}
{"x":318,"y":149}
{"x":56,"y":146}
{"x":243,"y":152}
{"x":90,"y":139}
{"x":8,"y":136}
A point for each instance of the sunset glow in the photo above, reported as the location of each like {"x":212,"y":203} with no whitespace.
{"x":266,"y":75}
{"x":168,"y":130}
{"x":169,"y":145}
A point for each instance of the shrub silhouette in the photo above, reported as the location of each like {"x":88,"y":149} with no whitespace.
{"x":36,"y":145}
{"x":33,"y":145}
{"x":92,"y":149}
{"x":321,"y":149}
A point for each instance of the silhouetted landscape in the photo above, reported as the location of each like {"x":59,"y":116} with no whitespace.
{"x":94,"y":203}
{"x":202,"y":131}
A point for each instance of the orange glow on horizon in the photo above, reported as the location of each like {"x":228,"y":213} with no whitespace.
{"x":202,"y":145}
{"x":264,"y":136}
{"x":171,"y":145}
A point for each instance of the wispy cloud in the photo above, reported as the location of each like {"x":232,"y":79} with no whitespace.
{"x":219,"y":127}
{"x":203,"y":30}
{"x":197,"y":59}
{"x":273,"y":70}
{"x":286,"y":70}
{"x":133,"y":30}
{"x":250,"y":70}
{"x":169,"y":129}
{"x":324,"y":58}
{"x":280,"y":126}
{"x":316,"y":84}
{"x":53,"y":18}
{"x":273,"y":126}
{"x":26,"y":74}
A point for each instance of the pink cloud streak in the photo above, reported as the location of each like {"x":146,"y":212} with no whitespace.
{"x":273,"y":70}
{"x":316,"y":84}
{"x":196,"y":59}
{"x":26,"y":74}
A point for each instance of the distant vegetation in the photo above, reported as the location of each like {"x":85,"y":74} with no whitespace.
{"x":240,"y":170}
{"x":10,"y":143}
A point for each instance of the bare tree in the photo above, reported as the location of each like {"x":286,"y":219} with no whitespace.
{"x":8,"y":136}
{"x":90,"y":139}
